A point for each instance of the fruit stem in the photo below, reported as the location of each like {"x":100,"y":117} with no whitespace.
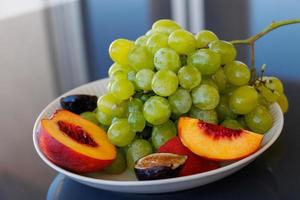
{"x":272,"y":26}
{"x":251,"y":41}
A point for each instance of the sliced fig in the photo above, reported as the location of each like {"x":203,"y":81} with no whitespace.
{"x":159,"y":166}
{"x":79,"y":103}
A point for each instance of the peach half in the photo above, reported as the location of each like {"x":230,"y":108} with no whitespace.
{"x":216,"y":142}
{"x":74,"y":143}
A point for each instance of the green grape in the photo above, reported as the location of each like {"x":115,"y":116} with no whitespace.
{"x":120,"y":133}
{"x":135,"y":105}
{"x":141,"y":41}
{"x":270,"y":95}
{"x":237,"y":73}
{"x":182,"y":41}
{"x":144,"y":78}
{"x":119,"y":49}
{"x":263,"y":101}
{"x":259,"y":120}
{"x":109,"y":104}
{"x":138,"y":149}
{"x":118,"y":75}
{"x":162,"y":133}
{"x":189,"y":77}
{"x":157,"y":41}
{"x":164,"y":82}
{"x":115,"y":119}
{"x":208,"y":81}
{"x":104,"y":118}
{"x":118,"y":165}
{"x":126,"y":68}
{"x":225,"y":49}
{"x":220,"y":79}
{"x":206,"y":61}
{"x":205,"y":97}
{"x":167,"y":58}
{"x":283,"y":103}
{"x":123,"y":107}
{"x":113,"y":68}
{"x":223,"y":110}
{"x":140,"y":58}
{"x":157,"y":110}
{"x":243,"y":100}
{"x":165,"y":26}
{"x":274,"y":84}
{"x":122,"y":89}
{"x":149,"y":33}
{"x":180,"y":101}
{"x":90,"y":116}
{"x":232,"y":124}
{"x":228,"y":90}
{"x":204,"y":37}
{"x":131,"y":77}
{"x":109,"y":84}
{"x":137,"y":121}
{"x":209,"y":116}
{"x":117,"y":67}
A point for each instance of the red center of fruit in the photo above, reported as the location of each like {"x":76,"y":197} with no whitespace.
{"x":76,"y":133}
{"x":217,"y":131}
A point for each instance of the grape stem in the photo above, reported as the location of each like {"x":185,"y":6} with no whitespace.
{"x":251,"y":41}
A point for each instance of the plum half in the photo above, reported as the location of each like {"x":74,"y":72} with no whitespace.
{"x":79,"y":103}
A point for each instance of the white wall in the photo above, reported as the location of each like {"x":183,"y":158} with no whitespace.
{"x":10,"y":8}
{"x":13,"y":8}
{"x":27,"y":85}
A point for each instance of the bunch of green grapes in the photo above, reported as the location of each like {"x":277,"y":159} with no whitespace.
{"x":170,"y":72}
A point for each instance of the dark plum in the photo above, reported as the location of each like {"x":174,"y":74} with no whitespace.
{"x":159,"y":166}
{"x":79,"y":103}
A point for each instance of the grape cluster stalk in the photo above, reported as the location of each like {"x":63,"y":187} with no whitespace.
{"x":251,"y":41}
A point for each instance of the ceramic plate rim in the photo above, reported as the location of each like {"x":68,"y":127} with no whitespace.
{"x":245,"y":160}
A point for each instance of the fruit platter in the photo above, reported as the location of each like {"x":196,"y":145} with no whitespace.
{"x":177,"y":111}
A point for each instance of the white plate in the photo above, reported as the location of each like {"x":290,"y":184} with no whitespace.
{"x":127,"y":182}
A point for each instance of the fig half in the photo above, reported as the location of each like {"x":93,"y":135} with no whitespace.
{"x":159,"y":166}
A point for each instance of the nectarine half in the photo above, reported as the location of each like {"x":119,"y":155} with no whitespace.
{"x":74,"y":143}
{"x":217,"y":142}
